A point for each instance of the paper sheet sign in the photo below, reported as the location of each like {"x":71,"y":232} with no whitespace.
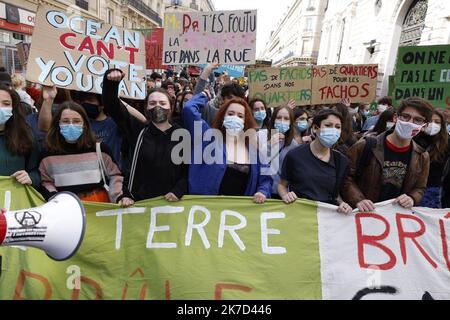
{"x":73,"y":52}
{"x":226,"y":37}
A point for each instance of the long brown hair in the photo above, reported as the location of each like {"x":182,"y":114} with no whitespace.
{"x":18,"y":134}
{"x":290,"y":133}
{"x":347,"y":135}
{"x":55,"y":142}
{"x":249,"y":121}
{"x":438,"y":152}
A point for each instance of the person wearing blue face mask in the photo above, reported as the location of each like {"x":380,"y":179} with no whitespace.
{"x":72,"y":161}
{"x":281,"y":138}
{"x":260,"y":113}
{"x":234,"y":171}
{"x":315,"y":171}
{"x":18,"y":153}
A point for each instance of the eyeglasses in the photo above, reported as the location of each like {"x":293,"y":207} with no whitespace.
{"x":416,"y":120}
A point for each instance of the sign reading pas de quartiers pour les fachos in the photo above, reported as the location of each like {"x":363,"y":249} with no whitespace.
{"x":423,"y":71}
{"x":225,"y":37}
{"x":74,"y":52}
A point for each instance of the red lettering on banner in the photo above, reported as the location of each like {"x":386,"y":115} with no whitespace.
{"x":228,"y":286}
{"x":144,"y":287}
{"x":444,"y":240}
{"x":167,"y":290}
{"x":92,"y":283}
{"x":63,"y":40}
{"x":402,"y":235}
{"x":363,"y":239}
{"x":132,"y":51}
{"x":23,"y":275}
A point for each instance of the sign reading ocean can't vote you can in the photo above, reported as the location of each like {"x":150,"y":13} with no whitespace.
{"x":225,"y":37}
{"x":74,"y":53}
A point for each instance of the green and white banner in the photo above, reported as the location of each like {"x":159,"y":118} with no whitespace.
{"x":209,"y":248}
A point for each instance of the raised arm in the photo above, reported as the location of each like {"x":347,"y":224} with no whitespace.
{"x":45,"y":114}
{"x":128,"y":125}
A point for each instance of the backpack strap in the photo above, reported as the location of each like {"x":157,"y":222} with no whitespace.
{"x":337,"y":163}
{"x":101,"y":164}
{"x":366,"y":156}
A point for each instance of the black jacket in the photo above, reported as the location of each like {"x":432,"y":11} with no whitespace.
{"x":153,"y":173}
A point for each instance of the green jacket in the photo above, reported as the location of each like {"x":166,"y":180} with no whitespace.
{"x":10,"y":164}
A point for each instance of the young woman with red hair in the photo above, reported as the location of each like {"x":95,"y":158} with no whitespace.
{"x":230,"y":164}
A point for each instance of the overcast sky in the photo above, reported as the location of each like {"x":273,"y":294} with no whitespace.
{"x":269,"y":14}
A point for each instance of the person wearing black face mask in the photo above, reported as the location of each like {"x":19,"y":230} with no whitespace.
{"x":92,"y":110}
{"x":153,"y":172}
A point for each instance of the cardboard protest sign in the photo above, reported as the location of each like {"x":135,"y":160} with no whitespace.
{"x":226,"y":37}
{"x":73,"y":52}
{"x":332,"y":83}
{"x":154,"y":48}
{"x":276,"y":86}
{"x":424,"y":72}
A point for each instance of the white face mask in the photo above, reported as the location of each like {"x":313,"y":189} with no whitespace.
{"x":407,"y":130}
{"x":382,"y":108}
{"x":353,"y":111}
{"x":390,"y":125}
{"x":433,"y":129}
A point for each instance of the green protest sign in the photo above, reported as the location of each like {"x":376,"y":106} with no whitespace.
{"x":199,"y":248}
{"x":424,"y":72}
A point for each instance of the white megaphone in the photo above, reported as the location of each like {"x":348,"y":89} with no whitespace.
{"x":56,"y":227}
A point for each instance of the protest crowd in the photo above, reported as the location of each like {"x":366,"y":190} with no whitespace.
{"x":208,"y":134}
{"x":109,"y":149}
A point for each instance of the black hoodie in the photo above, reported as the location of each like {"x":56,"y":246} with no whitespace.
{"x":153,"y":173}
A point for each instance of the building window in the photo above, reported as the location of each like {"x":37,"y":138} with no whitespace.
{"x":124,"y":22}
{"x":83,"y":4}
{"x":308,"y":25}
{"x":158,"y":8}
{"x":311,"y":4}
{"x":307,"y":47}
{"x":414,"y":23}
{"x":341,"y":41}
{"x":109,"y":16}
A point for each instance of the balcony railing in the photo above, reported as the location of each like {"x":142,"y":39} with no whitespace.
{"x":146,"y":10}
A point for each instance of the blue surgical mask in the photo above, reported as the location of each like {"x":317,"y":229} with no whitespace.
{"x":71,"y":132}
{"x":367,"y":113}
{"x":302,"y":126}
{"x":5,"y":114}
{"x":233,"y":124}
{"x":260,"y":116}
{"x":329,"y":136}
{"x":448,"y":128}
{"x":282,"y":127}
